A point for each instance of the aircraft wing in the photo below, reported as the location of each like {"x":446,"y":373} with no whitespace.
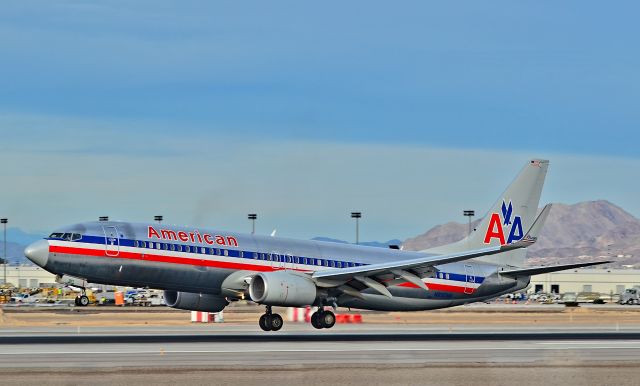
{"x":368,"y":273}
{"x":378,"y":276}
{"x":545,"y":269}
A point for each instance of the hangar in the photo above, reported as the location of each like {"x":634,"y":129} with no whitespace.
{"x":603,"y":280}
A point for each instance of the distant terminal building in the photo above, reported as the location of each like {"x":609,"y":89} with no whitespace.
{"x":601,"y":280}
{"x":27,"y":276}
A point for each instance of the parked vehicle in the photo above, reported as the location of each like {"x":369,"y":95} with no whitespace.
{"x":570,"y":299}
{"x":630,"y":296}
{"x":590,"y":297}
{"x":23,"y":298}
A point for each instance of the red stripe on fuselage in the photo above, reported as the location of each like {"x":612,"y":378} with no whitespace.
{"x":160,"y":258}
{"x":216,"y":264}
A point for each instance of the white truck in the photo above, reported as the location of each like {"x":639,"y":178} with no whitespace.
{"x":630,"y":296}
{"x":23,"y":298}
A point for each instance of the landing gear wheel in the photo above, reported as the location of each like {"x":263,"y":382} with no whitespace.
{"x":314,"y":321}
{"x":265,"y":322}
{"x":83,"y":300}
{"x":327,"y":319}
{"x":276,"y":322}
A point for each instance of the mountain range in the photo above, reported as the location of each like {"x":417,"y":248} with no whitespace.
{"x":573,"y":233}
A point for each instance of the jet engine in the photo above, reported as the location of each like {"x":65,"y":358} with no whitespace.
{"x":282,"y":288}
{"x":195,"y":301}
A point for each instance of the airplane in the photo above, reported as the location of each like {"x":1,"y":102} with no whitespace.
{"x":204,"y":269}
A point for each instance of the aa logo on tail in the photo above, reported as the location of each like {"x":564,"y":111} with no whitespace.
{"x":501,"y":226}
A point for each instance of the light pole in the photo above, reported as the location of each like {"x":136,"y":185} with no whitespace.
{"x":469,"y":214}
{"x":4,"y":258}
{"x":357,"y":216}
{"x":103,"y":218}
{"x":252,"y":217}
{"x":158,"y":218}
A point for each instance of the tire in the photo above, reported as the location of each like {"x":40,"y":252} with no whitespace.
{"x":314,"y":321}
{"x":83,"y":301}
{"x":265,"y":322}
{"x":327,"y":319}
{"x":276,"y":322}
{"x":77,"y":301}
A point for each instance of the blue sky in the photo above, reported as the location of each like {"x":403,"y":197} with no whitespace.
{"x":302,"y":112}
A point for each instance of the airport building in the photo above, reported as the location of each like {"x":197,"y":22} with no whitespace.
{"x":601,"y":280}
{"x":27,"y":276}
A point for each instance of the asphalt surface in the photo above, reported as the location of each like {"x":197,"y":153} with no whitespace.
{"x":109,"y":350}
{"x":348,"y":355}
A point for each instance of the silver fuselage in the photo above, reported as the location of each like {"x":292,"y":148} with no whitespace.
{"x":200,"y":260}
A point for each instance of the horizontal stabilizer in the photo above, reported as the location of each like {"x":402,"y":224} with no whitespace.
{"x":546,"y":269}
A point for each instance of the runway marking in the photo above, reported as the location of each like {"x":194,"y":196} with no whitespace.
{"x":253,"y":351}
{"x":593,"y":342}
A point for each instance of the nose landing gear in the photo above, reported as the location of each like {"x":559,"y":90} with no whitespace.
{"x":323,"y":319}
{"x":270,"y":321}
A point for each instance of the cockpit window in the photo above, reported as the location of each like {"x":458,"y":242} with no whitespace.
{"x":66,"y":236}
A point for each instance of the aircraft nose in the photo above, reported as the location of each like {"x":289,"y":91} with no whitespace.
{"x":38,"y":252}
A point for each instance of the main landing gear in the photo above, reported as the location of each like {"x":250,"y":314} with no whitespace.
{"x":323,"y":319}
{"x":82,"y":300}
{"x":270,"y":321}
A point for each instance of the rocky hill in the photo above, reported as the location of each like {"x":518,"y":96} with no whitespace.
{"x":586,"y":230}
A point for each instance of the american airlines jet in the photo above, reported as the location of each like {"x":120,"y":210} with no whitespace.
{"x":204,"y":269}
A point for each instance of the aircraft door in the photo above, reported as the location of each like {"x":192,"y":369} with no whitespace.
{"x":112,"y":241}
{"x":470,"y":279}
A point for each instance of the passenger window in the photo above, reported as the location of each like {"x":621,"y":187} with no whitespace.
{"x":135,"y":243}
{"x":226,"y":253}
{"x":201,"y":249}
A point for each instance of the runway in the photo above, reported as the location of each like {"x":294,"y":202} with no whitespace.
{"x":304,"y":348}
{"x":347,"y":356}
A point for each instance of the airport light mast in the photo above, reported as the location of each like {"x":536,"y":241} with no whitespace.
{"x":469,"y":214}
{"x":357,"y":216}
{"x":158,"y":218}
{"x":4,"y":257}
{"x":103,"y":218}
{"x":252,"y":217}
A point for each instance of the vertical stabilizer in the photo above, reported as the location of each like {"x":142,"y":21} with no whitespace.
{"x":508,"y":219}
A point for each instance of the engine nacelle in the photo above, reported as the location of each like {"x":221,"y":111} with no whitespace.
{"x":194,"y":301}
{"x":282,"y":288}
